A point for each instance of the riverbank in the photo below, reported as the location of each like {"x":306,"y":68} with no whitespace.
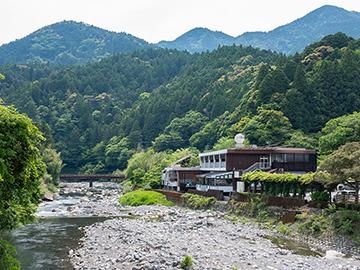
{"x":160,"y":237}
{"x":79,"y":200}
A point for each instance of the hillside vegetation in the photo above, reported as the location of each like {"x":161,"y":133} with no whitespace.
{"x":69,"y":42}
{"x":76,"y":43}
{"x":103,"y":113}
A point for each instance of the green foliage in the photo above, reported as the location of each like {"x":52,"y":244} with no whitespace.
{"x":331,"y":209}
{"x":186,"y":262}
{"x":339,"y":131}
{"x":103,"y":113}
{"x":283,"y":228}
{"x":281,"y":184}
{"x":268,"y":127}
{"x":198,"y":202}
{"x":342,"y":167}
{"x":21,"y":168}
{"x":53,"y":164}
{"x":7,"y":262}
{"x":127,"y":189}
{"x":144,"y":168}
{"x":322,"y":196}
{"x":299,"y":139}
{"x":141,"y":197}
{"x":345,"y":220}
{"x":69,"y":42}
{"x":262,"y":213}
{"x":316,"y":226}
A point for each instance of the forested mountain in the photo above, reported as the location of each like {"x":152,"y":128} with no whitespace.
{"x":69,"y":42}
{"x":102,"y":113}
{"x":199,"y":40}
{"x":288,"y":39}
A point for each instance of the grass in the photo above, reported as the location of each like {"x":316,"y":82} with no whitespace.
{"x":141,"y":197}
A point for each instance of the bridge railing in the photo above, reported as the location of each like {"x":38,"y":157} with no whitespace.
{"x":92,"y":176}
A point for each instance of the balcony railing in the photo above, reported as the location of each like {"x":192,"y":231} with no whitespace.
{"x":257,"y":166}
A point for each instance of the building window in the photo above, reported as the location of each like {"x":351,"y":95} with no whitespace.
{"x":222,"y":160}
{"x":299,"y":157}
{"x":279,"y":157}
{"x":217,"y":163}
{"x":264,"y":162}
{"x":289,"y":157}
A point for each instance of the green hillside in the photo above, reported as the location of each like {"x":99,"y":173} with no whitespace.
{"x":69,"y":42}
{"x":102,"y":113}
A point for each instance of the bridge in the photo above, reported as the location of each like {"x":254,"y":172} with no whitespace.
{"x":91,"y":177}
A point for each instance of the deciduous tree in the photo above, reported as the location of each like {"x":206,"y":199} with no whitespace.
{"x":342,"y":166}
{"x":21,"y":168}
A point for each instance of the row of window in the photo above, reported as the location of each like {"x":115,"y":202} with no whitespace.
{"x":220,"y":180}
{"x":291,"y":157}
{"x":213,"y":161}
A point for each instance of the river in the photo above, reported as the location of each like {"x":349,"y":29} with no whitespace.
{"x":45,"y":244}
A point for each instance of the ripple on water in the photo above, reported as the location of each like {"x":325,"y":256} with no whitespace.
{"x":46,"y":243}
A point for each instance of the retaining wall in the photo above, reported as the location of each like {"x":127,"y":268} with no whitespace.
{"x":284,"y":202}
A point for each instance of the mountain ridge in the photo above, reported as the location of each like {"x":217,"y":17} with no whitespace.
{"x":289,"y":38}
{"x":70,"y":42}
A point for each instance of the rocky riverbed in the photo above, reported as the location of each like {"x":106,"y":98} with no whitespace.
{"x":100,"y":200}
{"x":159,"y":237}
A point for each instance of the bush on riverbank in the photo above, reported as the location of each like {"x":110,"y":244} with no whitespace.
{"x":141,"y":197}
{"x":195,"y":201}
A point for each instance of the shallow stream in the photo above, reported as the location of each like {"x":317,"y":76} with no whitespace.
{"x":46,"y":243}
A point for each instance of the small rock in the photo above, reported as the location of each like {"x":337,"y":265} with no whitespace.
{"x":333,"y":255}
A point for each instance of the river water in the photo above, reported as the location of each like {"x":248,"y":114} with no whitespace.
{"x":45,"y":244}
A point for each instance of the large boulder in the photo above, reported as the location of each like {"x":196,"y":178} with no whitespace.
{"x":47,"y":197}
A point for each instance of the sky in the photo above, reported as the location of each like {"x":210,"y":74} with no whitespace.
{"x":156,"y":20}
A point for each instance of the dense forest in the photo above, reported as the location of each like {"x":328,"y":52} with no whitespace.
{"x":103,"y":113}
{"x":69,"y":43}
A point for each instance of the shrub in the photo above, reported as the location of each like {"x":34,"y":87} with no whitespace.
{"x":141,"y":197}
{"x":186,"y":262}
{"x":283,"y":228}
{"x":345,"y":220}
{"x":127,"y":189}
{"x":331,"y":209}
{"x":322,"y":196}
{"x":316,"y":226}
{"x":196,"y":201}
{"x":6,"y":259}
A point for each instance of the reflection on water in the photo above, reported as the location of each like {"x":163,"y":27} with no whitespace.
{"x":295,"y":246}
{"x":46,"y":243}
